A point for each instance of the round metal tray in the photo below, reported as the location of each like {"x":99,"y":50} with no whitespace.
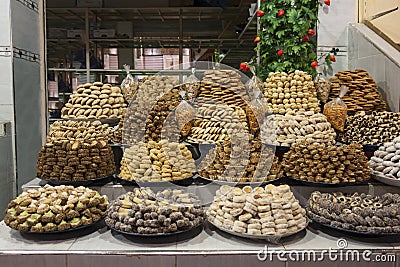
{"x":259,"y":183}
{"x":102,"y":180}
{"x":353,"y":232}
{"x":183,"y":182}
{"x":83,"y":227}
{"x":193,"y":229}
{"x":384,"y":179}
{"x":326,"y":184}
{"x":270,"y":238}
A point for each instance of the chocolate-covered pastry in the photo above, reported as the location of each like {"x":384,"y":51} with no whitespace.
{"x":366,"y":213}
{"x":146,"y":212}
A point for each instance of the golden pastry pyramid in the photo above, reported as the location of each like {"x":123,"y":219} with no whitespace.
{"x":363,"y":94}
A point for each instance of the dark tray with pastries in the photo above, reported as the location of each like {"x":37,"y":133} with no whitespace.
{"x":360,"y":214}
{"x":305,"y":182}
{"x":353,"y":232}
{"x":97,"y":181}
{"x":219,"y":182}
{"x":198,"y":228}
{"x":69,"y":230}
{"x":183,"y":182}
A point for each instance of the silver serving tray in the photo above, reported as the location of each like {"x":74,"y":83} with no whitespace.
{"x":270,"y":238}
{"x":384,"y":179}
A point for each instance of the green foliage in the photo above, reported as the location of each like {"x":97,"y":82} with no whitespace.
{"x":286,"y":33}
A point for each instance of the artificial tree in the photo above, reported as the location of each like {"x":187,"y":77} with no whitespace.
{"x":287,"y":36}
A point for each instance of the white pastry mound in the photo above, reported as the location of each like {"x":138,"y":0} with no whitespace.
{"x":269,"y":211}
{"x":386,"y":159}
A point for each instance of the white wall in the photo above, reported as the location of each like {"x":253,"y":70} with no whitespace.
{"x":6,"y":86}
{"x":382,"y":61}
{"x":333,"y":28}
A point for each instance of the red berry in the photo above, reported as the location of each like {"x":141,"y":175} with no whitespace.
{"x":327,"y":2}
{"x":260,"y":13}
{"x":332,"y":58}
{"x":257,"y":39}
{"x":311,"y":32}
{"x":305,"y":38}
{"x":281,"y":13}
{"x":314,"y":64}
{"x":280,"y":52}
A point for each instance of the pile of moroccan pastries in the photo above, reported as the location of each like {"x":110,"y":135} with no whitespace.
{"x":146,"y":212}
{"x":371,"y":129}
{"x":226,"y":162}
{"x":67,"y":160}
{"x":95,"y":101}
{"x":357,"y":212}
{"x":269,"y":211}
{"x":363,"y":93}
{"x":288,"y":129}
{"x":327,"y":163}
{"x":157,"y":162}
{"x":78,"y":130}
{"x":148,"y":109}
{"x":58,"y":208}
{"x":386,"y":159}
{"x":290,"y":92}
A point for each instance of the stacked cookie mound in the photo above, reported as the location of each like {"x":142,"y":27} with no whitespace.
{"x":376,"y":128}
{"x":95,"y":101}
{"x":357,"y":212}
{"x":224,"y":162}
{"x":269,"y":211}
{"x":149,"y":108}
{"x":327,"y":163}
{"x":78,"y":130}
{"x":216,"y":122}
{"x":289,"y":129}
{"x":223,"y":108}
{"x":224,"y":86}
{"x":290,"y":92}
{"x":386,"y":160}
{"x":58,"y":208}
{"x":362,"y":95}
{"x":146,"y":212}
{"x":157,"y":162}
{"x":76,"y":151}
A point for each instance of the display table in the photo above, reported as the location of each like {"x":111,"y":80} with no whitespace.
{"x":99,"y":246}
{"x":102,"y":247}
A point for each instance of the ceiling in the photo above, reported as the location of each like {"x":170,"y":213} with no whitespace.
{"x":197,"y":24}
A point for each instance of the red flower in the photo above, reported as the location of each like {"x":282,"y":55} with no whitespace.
{"x":260,"y":13}
{"x":314,"y":64}
{"x":280,"y":52}
{"x":305,"y":38}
